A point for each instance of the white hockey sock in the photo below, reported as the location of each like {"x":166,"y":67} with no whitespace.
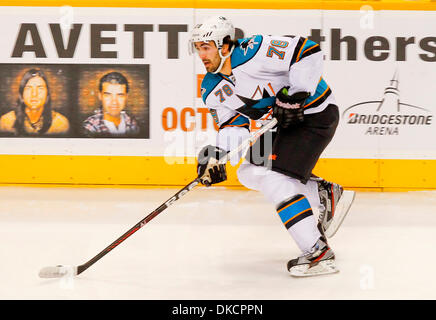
{"x":296,"y":214}
{"x":279,"y":189}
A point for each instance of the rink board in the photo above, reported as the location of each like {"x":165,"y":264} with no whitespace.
{"x":147,"y":171}
{"x":380,"y":69}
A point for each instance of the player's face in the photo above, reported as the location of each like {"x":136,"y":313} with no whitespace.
{"x":35,"y":93}
{"x":208,"y":53}
{"x":113,"y":98}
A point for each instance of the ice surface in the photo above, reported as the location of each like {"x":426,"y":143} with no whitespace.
{"x":212,"y":244}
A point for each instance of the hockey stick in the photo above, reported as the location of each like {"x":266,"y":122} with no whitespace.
{"x":63,"y":270}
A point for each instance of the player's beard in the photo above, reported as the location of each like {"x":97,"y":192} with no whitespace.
{"x":213,"y":65}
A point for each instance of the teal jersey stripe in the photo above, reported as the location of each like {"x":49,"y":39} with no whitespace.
{"x":320,"y":89}
{"x":240,"y":121}
{"x":210,"y":81}
{"x":307,"y":45}
{"x":236,"y":121}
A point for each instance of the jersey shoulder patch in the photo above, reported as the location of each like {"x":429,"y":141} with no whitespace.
{"x":210,"y":81}
{"x":246,"y":50}
{"x":304,"y":48}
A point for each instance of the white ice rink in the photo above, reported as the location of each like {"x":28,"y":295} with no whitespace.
{"x":212,"y":244}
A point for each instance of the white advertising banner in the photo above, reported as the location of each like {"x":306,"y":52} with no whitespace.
{"x":379,"y":64}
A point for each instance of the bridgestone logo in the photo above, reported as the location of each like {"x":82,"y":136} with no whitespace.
{"x":390,"y":119}
{"x":389,"y":115}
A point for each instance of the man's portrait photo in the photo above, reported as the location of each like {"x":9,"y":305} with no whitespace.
{"x":116,"y":103}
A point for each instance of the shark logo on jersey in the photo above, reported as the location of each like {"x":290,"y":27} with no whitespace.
{"x":255,"y":109}
{"x":250,"y":102}
{"x":248,"y":44}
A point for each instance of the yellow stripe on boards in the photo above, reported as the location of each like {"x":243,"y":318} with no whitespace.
{"x":234,"y":4}
{"x":371,"y":174}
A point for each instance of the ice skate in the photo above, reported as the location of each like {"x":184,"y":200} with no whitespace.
{"x":335,"y":204}
{"x":318,"y":261}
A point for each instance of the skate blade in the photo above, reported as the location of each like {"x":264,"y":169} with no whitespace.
{"x":342,"y":208}
{"x":323,"y":267}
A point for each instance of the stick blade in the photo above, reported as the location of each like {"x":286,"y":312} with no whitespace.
{"x":57,"y":271}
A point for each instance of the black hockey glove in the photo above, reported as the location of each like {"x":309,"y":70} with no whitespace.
{"x":208,"y":169}
{"x":288,"y":110}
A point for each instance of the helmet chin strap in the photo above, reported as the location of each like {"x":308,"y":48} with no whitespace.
{"x":223,"y":59}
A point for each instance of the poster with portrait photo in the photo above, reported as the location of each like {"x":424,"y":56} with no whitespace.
{"x":74,"y":101}
{"x":35,"y":100}
{"x":113,"y":101}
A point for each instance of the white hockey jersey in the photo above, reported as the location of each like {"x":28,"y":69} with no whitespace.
{"x":261,"y":66}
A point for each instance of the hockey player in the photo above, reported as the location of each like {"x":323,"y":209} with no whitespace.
{"x":285,"y":73}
